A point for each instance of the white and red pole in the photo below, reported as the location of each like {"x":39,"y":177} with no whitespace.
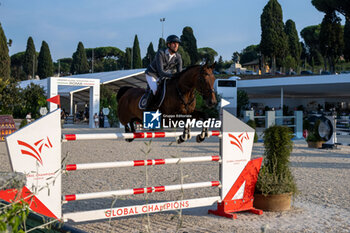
{"x":111,"y":194}
{"x":135,"y":163}
{"x":101,"y":136}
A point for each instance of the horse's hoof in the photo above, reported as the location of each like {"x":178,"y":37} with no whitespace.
{"x":199,"y":139}
{"x":129,"y":140}
{"x":179,"y":140}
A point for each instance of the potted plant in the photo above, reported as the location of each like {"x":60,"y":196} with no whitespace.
{"x":275,"y":185}
{"x":313,"y":139}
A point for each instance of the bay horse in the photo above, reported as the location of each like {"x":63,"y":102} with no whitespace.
{"x":179,"y":98}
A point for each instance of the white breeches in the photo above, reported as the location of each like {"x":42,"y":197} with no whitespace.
{"x":152,"y":83}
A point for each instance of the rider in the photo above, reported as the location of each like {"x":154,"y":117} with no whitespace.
{"x":166,"y":62}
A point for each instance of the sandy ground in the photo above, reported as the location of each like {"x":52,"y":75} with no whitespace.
{"x":322,"y":176}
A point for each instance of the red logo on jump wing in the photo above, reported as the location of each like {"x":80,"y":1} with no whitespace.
{"x":237,"y":141}
{"x":36,"y":153}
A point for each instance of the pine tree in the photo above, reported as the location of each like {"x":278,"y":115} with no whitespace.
{"x":186,"y":60}
{"x":273,"y":42}
{"x":293,"y":40}
{"x":161,"y":44}
{"x":80,"y":64}
{"x":136,"y":54}
{"x":5,"y":62}
{"x":347,"y":40}
{"x":30,"y":62}
{"x":220,"y":65}
{"x":127,"y":59}
{"x":149,"y":56}
{"x":331,"y":39}
{"x":45,"y":65}
{"x":189,"y":43}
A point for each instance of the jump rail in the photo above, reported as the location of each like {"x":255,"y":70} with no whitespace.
{"x":135,"y":163}
{"x":102,"y":136}
{"x":125,"y":192}
{"x":39,"y":156}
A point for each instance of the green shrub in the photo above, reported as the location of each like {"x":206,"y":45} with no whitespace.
{"x":252,"y":124}
{"x":313,"y":135}
{"x":13,"y":217}
{"x":24,"y":122}
{"x":275,"y":176}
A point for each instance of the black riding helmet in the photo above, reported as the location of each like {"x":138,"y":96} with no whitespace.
{"x":173,"y":38}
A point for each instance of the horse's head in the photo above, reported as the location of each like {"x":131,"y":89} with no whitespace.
{"x":205,"y":84}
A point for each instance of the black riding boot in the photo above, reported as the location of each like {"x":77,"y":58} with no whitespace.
{"x":150,"y":98}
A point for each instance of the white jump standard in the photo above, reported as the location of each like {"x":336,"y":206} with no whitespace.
{"x":39,"y":156}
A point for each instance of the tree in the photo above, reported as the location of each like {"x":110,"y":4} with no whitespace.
{"x":220,"y":65}
{"x":149,"y":56}
{"x":161,"y":44}
{"x":347,"y":40}
{"x":109,"y":100}
{"x":5,"y":65}
{"x":293,"y":40}
{"x":331,"y":39}
{"x":34,"y":96}
{"x":64,"y":65}
{"x":207,"y":54}
{"x":236,"y":57}
{"x":342,"y":6}
{"x":29,"y":63}
{"x":136,"y":54}
{"x":273,"y":42}
{"x":127,"y":58}
{"x":311,"y":36}
{"x":242,"y":101}
{"x":186,"y":60}
{"x":17,"y":66}
{"x":189,"y":43}
{"x":9,"y":97}
{"x":80,"y":64}
{"x":109,"y":57}
{"x":250,"y":53}
{"x":45,"y":65}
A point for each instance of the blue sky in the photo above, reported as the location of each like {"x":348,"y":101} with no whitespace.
{"x":226,"y":25}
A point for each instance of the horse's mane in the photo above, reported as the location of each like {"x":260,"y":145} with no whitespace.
{"x":178,"y":75}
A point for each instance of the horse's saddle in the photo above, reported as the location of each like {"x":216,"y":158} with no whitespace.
{"x":158,"y":98}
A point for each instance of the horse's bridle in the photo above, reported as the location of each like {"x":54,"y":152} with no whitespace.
{"x":209,"y":92}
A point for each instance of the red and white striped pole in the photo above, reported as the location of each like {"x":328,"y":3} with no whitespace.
{"x":101,"y":136}
{"x":135,"y":163}
{"x":111,"y":194}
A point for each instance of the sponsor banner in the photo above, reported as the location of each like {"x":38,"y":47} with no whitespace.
{"x":35,"y":150}
{"x":139,"y":209}
{"x":156,"y":120}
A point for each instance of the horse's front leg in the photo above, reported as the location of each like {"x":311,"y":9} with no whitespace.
{"x":185,"y":136}
{"x":199,"y":115}
{"x":204,"y":134}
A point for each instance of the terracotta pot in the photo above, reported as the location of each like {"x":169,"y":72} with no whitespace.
{"x":276,"y":202}
{"x":315,"y":144}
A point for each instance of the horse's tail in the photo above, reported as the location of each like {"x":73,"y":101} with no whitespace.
{"x":121,"y":92}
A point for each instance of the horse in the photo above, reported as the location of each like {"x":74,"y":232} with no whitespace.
{"x":179,"y":98}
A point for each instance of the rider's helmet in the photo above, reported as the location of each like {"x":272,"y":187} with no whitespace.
{"x":172,"y":38}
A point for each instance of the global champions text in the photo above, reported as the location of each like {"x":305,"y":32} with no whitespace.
{"x":146,"y":209}
{"x":209,"y":123}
